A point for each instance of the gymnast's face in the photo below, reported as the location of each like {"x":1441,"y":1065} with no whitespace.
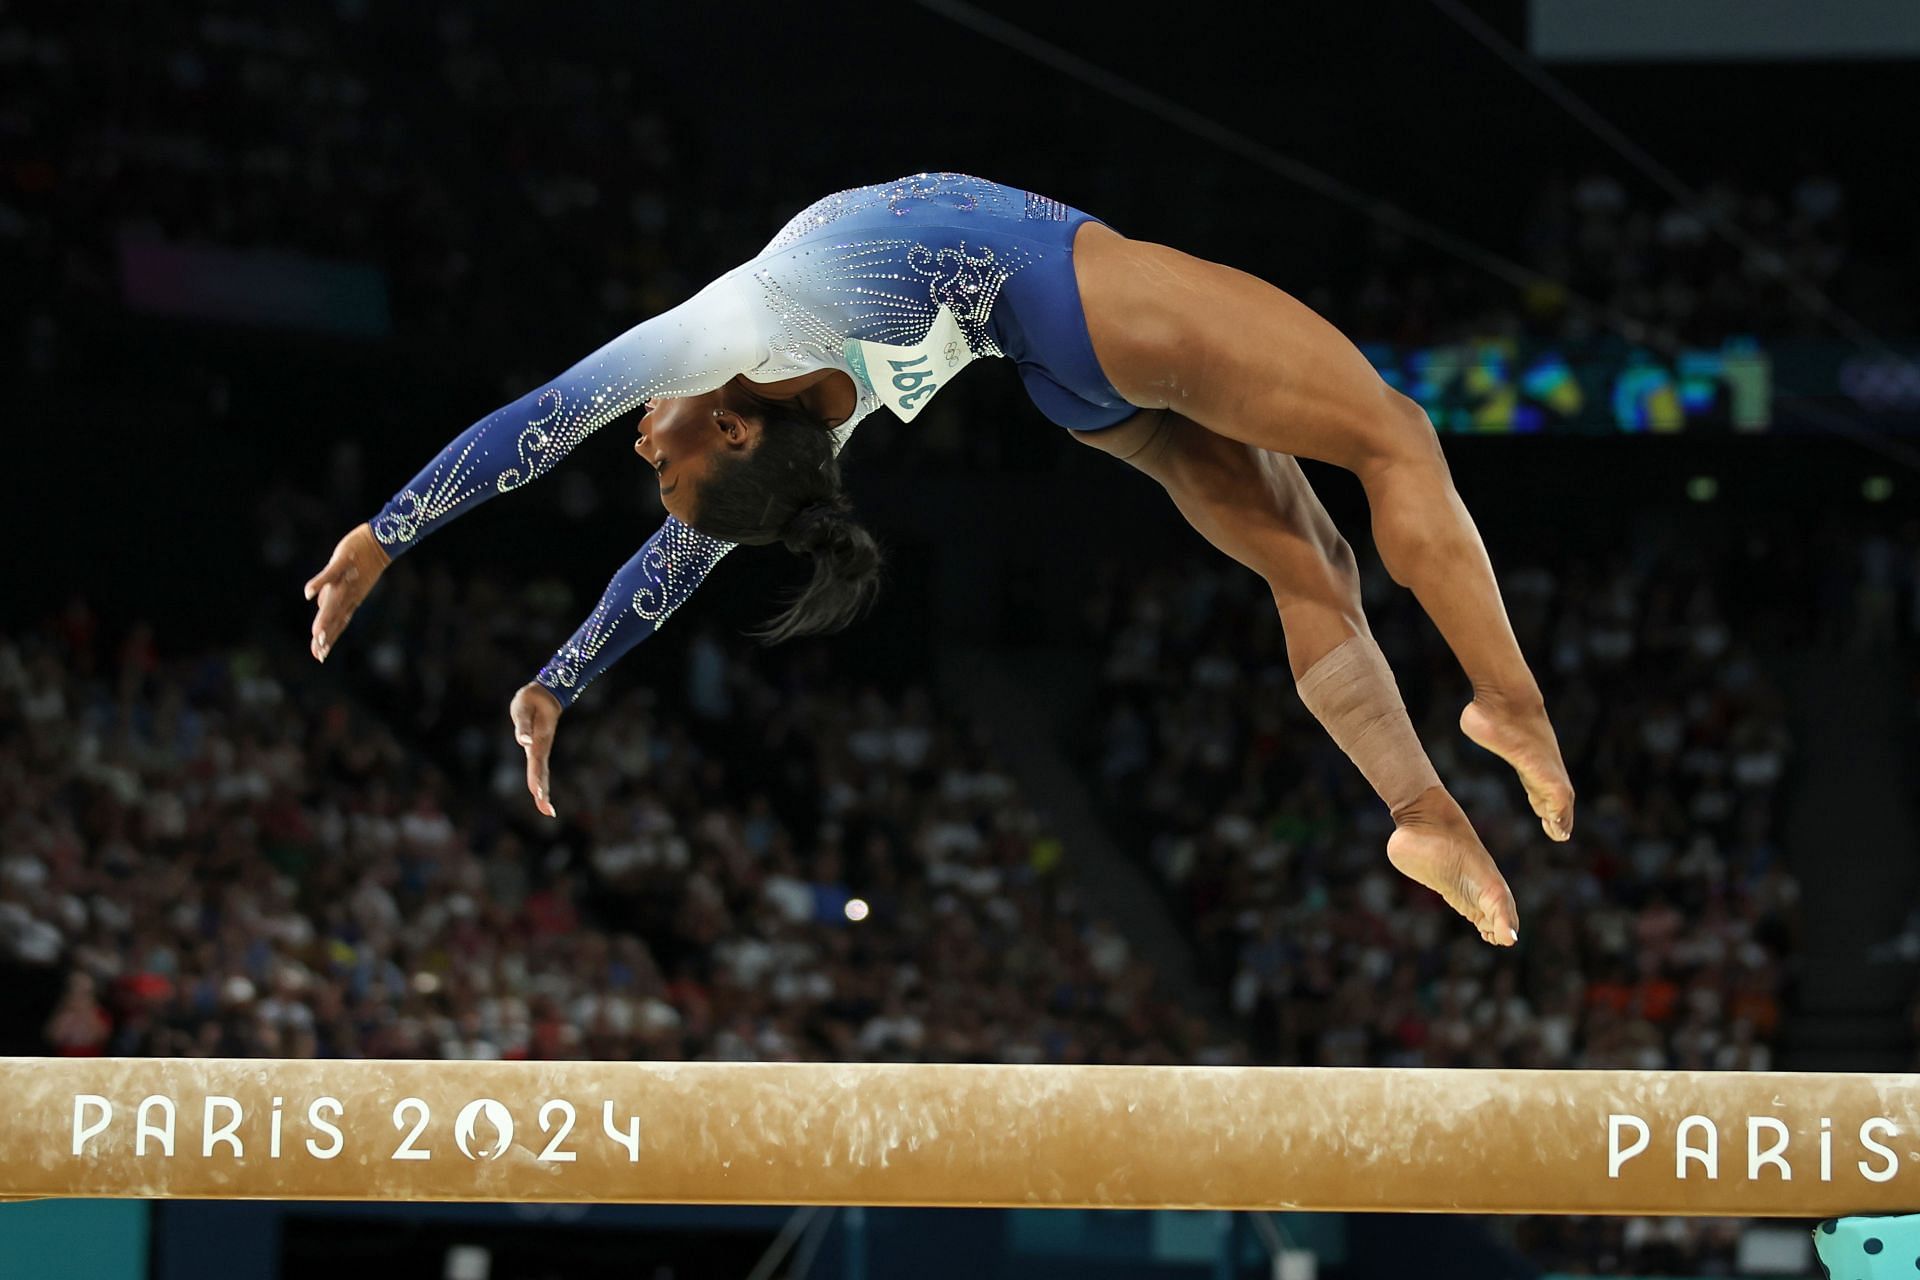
{"x":682,"y":436}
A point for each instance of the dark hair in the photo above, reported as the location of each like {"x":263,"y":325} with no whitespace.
{"x":786,"y":489}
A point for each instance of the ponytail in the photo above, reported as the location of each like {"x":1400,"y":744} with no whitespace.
{"x":786,"y":489}
{"x":846,"y":572}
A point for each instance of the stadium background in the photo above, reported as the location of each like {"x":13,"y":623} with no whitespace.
{"x":261,"y":261}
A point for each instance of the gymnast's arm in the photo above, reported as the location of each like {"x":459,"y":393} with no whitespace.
{"x":648,"y":588}
{"x":695,"y":347}
{"x":675,"y":560}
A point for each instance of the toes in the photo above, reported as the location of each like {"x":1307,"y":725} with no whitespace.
{"x":1555,"y":813}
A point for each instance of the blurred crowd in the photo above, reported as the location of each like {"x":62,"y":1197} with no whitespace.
{"x":1614,"y":259}
{"x":493,"y":169}
{"x":1657,"y":939}
{"x":466,"y":171}
{"x":229,"y":857}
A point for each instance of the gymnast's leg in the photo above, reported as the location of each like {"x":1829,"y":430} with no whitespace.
{"x":1245,"y":361}
{"x":1258,"y":508}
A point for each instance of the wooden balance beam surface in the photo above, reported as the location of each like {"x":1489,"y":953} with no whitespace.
{"x":1705,"y":1143}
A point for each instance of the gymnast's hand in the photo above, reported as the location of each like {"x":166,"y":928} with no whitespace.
{"x":536,"y":714}
{"x":357,"y":563}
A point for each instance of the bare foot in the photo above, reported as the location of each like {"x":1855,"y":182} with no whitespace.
{"x":1525,"y":740}
{"x":1434,"y":844}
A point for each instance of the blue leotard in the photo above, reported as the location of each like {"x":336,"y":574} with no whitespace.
{"x":898,"y":285}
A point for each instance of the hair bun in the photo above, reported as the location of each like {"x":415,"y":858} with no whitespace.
{"x":815,"y":528}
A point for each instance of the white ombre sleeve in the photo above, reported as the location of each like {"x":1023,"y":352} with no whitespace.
{"x":695,"y":347}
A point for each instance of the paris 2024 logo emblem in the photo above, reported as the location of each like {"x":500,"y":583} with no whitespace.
{"x":476,"y":1146}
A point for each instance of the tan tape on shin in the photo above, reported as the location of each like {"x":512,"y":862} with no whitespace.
{"x":1353,"y":693}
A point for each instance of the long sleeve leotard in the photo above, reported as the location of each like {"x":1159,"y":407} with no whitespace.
{"x":893,"y":285}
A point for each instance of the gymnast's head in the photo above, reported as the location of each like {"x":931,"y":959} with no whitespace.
{"x":754,"y":470}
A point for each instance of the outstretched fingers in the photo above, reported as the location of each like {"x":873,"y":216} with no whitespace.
{"x":538,"y":750}
{"x":337,"y":590}
{"x":323,"y":585}
{"x":536,"y":715}
{"x":337,"y":601}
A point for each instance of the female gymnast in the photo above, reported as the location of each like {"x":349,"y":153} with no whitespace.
{"x":1208,"y":379}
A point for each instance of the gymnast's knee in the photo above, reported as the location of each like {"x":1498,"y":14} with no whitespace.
{"x":1398,"y":437}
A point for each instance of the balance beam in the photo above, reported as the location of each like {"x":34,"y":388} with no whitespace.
{"x":1702,"y":1143}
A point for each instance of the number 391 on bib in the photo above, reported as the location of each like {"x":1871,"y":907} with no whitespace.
{"x":906,"y":378}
